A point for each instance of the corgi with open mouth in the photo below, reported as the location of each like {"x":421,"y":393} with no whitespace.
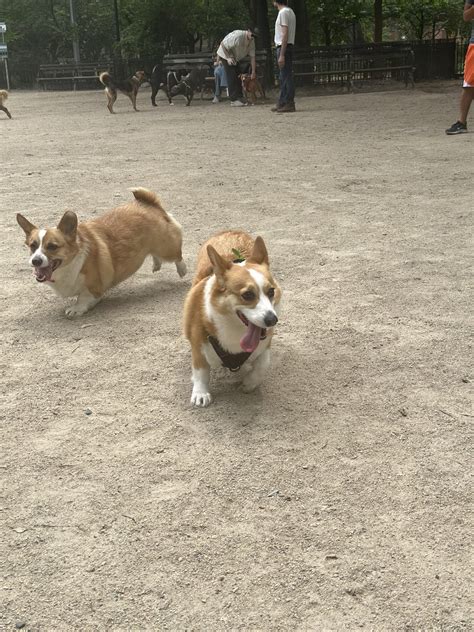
{"x":230,"y":311}
{"x":84,"y":260}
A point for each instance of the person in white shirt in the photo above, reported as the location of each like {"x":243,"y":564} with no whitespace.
{"x":285,"y":31}
{"x":234,"y":47}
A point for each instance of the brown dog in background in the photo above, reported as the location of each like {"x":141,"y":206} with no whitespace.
{"x":250,"y":87}
{"x":129,"y":87}
{"x":3,"y":98}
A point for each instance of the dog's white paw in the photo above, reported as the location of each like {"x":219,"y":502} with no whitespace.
{"x":181,"y":268}
{"x":75,"y":310}
{"x":250,"y":384}
{"x":200,"y":398}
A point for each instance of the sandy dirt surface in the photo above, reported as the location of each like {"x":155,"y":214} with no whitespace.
{"x":335,"y":497}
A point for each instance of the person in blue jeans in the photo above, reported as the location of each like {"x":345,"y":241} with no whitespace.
{"x":220,"y":80}
{"x":285,"y":31}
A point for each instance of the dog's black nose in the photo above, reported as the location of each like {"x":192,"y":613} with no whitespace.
{"x":270,"y":319}
{"x":37,"y":261}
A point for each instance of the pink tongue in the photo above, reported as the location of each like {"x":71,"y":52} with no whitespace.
{"x":47,"y":272}
{"x":249,"y":342}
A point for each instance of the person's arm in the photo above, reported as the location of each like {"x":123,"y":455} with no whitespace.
{"x":284,"y":42}
{"x":468,"y":14}
{"x":253,"y":63}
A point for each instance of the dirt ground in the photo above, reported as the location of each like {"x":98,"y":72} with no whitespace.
{"x":334,"y":498}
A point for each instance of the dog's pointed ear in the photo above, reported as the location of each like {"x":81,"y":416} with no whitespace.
{"x":259,"y":253}
{"x":27,"y":226}
{"x":219,"y":264}
{"x":68,"y":224}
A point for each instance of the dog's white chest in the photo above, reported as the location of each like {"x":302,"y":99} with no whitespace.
{"x":69,"y":281}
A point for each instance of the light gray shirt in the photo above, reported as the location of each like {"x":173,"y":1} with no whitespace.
{"x":236,"y":45}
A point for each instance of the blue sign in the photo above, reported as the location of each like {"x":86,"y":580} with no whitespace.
{"x":3,"y":51}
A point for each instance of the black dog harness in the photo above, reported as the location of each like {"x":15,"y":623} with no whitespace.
{"x":231,"y":361}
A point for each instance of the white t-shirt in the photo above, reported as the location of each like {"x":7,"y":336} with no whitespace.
{"x":238,"y":46}
{"x":286,"y":17}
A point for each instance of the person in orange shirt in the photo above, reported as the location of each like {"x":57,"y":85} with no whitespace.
{"x":460,"y":127}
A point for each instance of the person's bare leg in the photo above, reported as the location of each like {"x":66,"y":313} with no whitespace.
{"x":466,"y":100}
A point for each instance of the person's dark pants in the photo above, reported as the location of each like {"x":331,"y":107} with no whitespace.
{"x":287,"y":84}
{"x":234,"y":84}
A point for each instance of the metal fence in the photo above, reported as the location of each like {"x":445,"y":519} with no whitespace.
{"x":437,"y":59}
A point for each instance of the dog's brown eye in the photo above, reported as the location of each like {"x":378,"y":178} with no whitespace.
{"x":271,"y":292}
{"x":248,"y":296}
{"x":52,"y":247}
{"x":33,"y":245}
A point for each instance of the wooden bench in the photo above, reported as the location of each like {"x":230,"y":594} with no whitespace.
{"x":349,"y":65}
{"x":186,"y":62}
{"x":67,"y":76}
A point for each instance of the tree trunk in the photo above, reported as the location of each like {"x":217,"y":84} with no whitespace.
{"x":303,"y":37}
{"x":258,"y":11}
{"x":378,"y":20}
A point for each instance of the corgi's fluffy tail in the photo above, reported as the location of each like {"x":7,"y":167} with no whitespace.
{"x":144,"y":196}
{"x":3,"y":96}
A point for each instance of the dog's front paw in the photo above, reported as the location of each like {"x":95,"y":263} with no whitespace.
{"x":201,"y":398}
{"x":181,"y":268}
{"x":250,"y":384}
{"x":75,"y":310}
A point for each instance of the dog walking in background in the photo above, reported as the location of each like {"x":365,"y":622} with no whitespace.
{"x":250,"y":87}
{"x":161,"y":80}
{"x":3,"y":98}
{"x":129,"y":87}
{"x":189,"y":84}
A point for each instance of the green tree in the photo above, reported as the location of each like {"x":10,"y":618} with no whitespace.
{"x":420,"y":19}
{"x":338,"y":21}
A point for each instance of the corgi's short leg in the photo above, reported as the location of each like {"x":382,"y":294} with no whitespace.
{"x":201,"y":377}
{"x":156,"y":264}
{"x":255,"y":377}
{"x":85,"y":302}
{"x":181,"y":268}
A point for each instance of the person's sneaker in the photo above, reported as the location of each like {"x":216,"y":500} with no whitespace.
{"x":457,"y":128}
{"x":215,"y":100}
{"x":237,"y":104}
{"x":288,"y":107}
{"x":275,"y":108}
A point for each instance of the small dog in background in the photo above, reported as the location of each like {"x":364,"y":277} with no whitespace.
{"x":129,"y":87}
{"x":161,"y":80}
{"x":3,"y":98}
{"x":250,"y":87}
{"x":85,"y":260}
{"x":189,"y":84}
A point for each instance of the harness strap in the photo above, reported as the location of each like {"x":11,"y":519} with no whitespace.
{"x":231,"y":361}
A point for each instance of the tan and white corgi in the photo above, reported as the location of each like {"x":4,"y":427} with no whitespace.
{"x":85,"y":260}
{"x":230,"y":311}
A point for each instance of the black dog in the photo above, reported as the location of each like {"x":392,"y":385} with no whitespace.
{"x":162,"y":80}
{"x":189,"y":84}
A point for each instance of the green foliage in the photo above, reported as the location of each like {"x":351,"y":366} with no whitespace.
{"x":336,"y":21}
{"x":41,"y":30}
{"x":419,"y":19}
